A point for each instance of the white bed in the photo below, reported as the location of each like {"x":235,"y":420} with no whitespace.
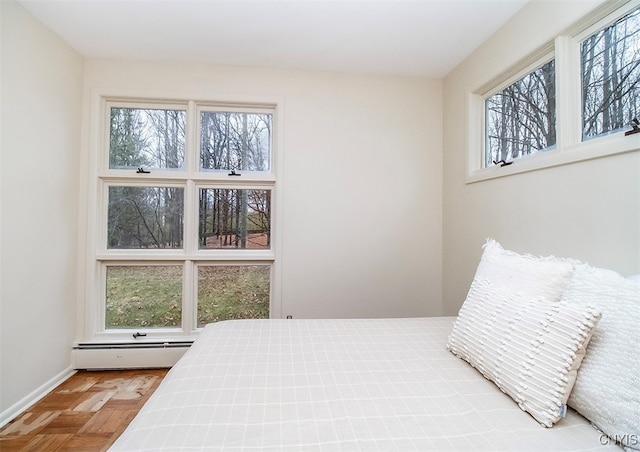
{"x":544,"y":334}
{"x":346,"y":385}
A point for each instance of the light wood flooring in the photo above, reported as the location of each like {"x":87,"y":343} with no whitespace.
{"x":85,"y":413}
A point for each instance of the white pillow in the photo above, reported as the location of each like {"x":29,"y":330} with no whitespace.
{"x":535,"y":277}
{"x":607,"y":390}
{"x":531,"y":349}
{"x":513,"y":330}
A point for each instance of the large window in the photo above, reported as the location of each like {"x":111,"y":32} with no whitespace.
{"x":572,"y":99}
{"x":185,"y":200}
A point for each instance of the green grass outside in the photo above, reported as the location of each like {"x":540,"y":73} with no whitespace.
{"x":233,"y":292}
{"x":151,"y":296}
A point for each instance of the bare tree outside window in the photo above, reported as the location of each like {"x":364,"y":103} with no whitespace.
{"x":145,"y":217}
{"x":235,"y":218}
{"x":610,"y":61}
{"x":151,"y":138}
{"x":235,"y":141}
{"x":521,"y":119}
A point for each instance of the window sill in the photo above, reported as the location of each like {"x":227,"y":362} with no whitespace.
{"x":588,"y":150}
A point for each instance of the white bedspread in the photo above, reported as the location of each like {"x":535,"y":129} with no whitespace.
{"x":349,"y":385}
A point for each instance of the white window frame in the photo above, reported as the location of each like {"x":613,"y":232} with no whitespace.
{"x":570,"y":147}
{"x":541,"y":58}
{"x":99,"y":177}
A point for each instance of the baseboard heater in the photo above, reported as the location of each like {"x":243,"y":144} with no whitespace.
{"x":125,"y":355}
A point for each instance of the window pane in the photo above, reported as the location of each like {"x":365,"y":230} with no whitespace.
{"x":521,"y":119}
{"x":144,"y":296}
{"x":147,"y":138}
{"x":235,"y":218}
{"x":235,"y":141}
{"x":233,"y":292}
{"x":145,"y":217}
{"x":611,"y":77}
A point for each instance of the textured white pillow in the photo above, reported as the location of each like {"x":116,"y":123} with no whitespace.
{"x":530,"y":348}
{"x":607,"y":390}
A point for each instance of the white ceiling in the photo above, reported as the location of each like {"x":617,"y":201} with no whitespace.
{"x":404,"y":37}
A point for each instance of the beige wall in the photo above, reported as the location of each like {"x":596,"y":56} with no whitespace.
{"x":41,"y":116}
{"x":377,"y":220}
{"x":588,"y":210}
{"x":362,"y":191}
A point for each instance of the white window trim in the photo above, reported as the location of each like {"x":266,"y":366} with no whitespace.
{"x":97,"y":176}
{"x":569,"y":145}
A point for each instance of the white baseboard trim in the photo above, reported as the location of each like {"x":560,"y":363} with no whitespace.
{"x":134,"y":358}
{"x":22,"y":405}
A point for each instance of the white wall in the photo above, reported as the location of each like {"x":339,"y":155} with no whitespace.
{"x":377,"y":218}
{"x":588,"y":210}
{"x":41,"y":108}
{"x":362,"y":180}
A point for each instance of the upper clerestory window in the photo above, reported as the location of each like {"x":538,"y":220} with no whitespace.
{"x":521,"y":119}
{"x":575,"y":98}
{"x":610,"y":66}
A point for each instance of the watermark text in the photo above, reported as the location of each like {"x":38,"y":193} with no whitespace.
{"x":629,"y":440}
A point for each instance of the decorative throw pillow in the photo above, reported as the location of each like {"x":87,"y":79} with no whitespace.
{"x":515,"y":332}
{"x":607,"y":390}
{"x":530,"y":348}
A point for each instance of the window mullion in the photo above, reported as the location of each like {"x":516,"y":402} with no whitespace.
{"x":568,"y":105}
{"x":192,"y":154}
{"x":189,"y":295}
{"x":190,"y":220}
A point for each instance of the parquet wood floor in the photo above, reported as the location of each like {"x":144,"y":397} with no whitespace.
{"x":85,"y":413}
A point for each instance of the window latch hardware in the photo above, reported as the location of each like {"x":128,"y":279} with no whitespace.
{"x":635,"y":124}
{"x":233,"y":173}
{"x":502,"y":163}
{"x":141,"y":170}
{"x":136,"y":335}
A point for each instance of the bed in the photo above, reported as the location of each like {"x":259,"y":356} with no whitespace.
{"x":345,"y":385}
